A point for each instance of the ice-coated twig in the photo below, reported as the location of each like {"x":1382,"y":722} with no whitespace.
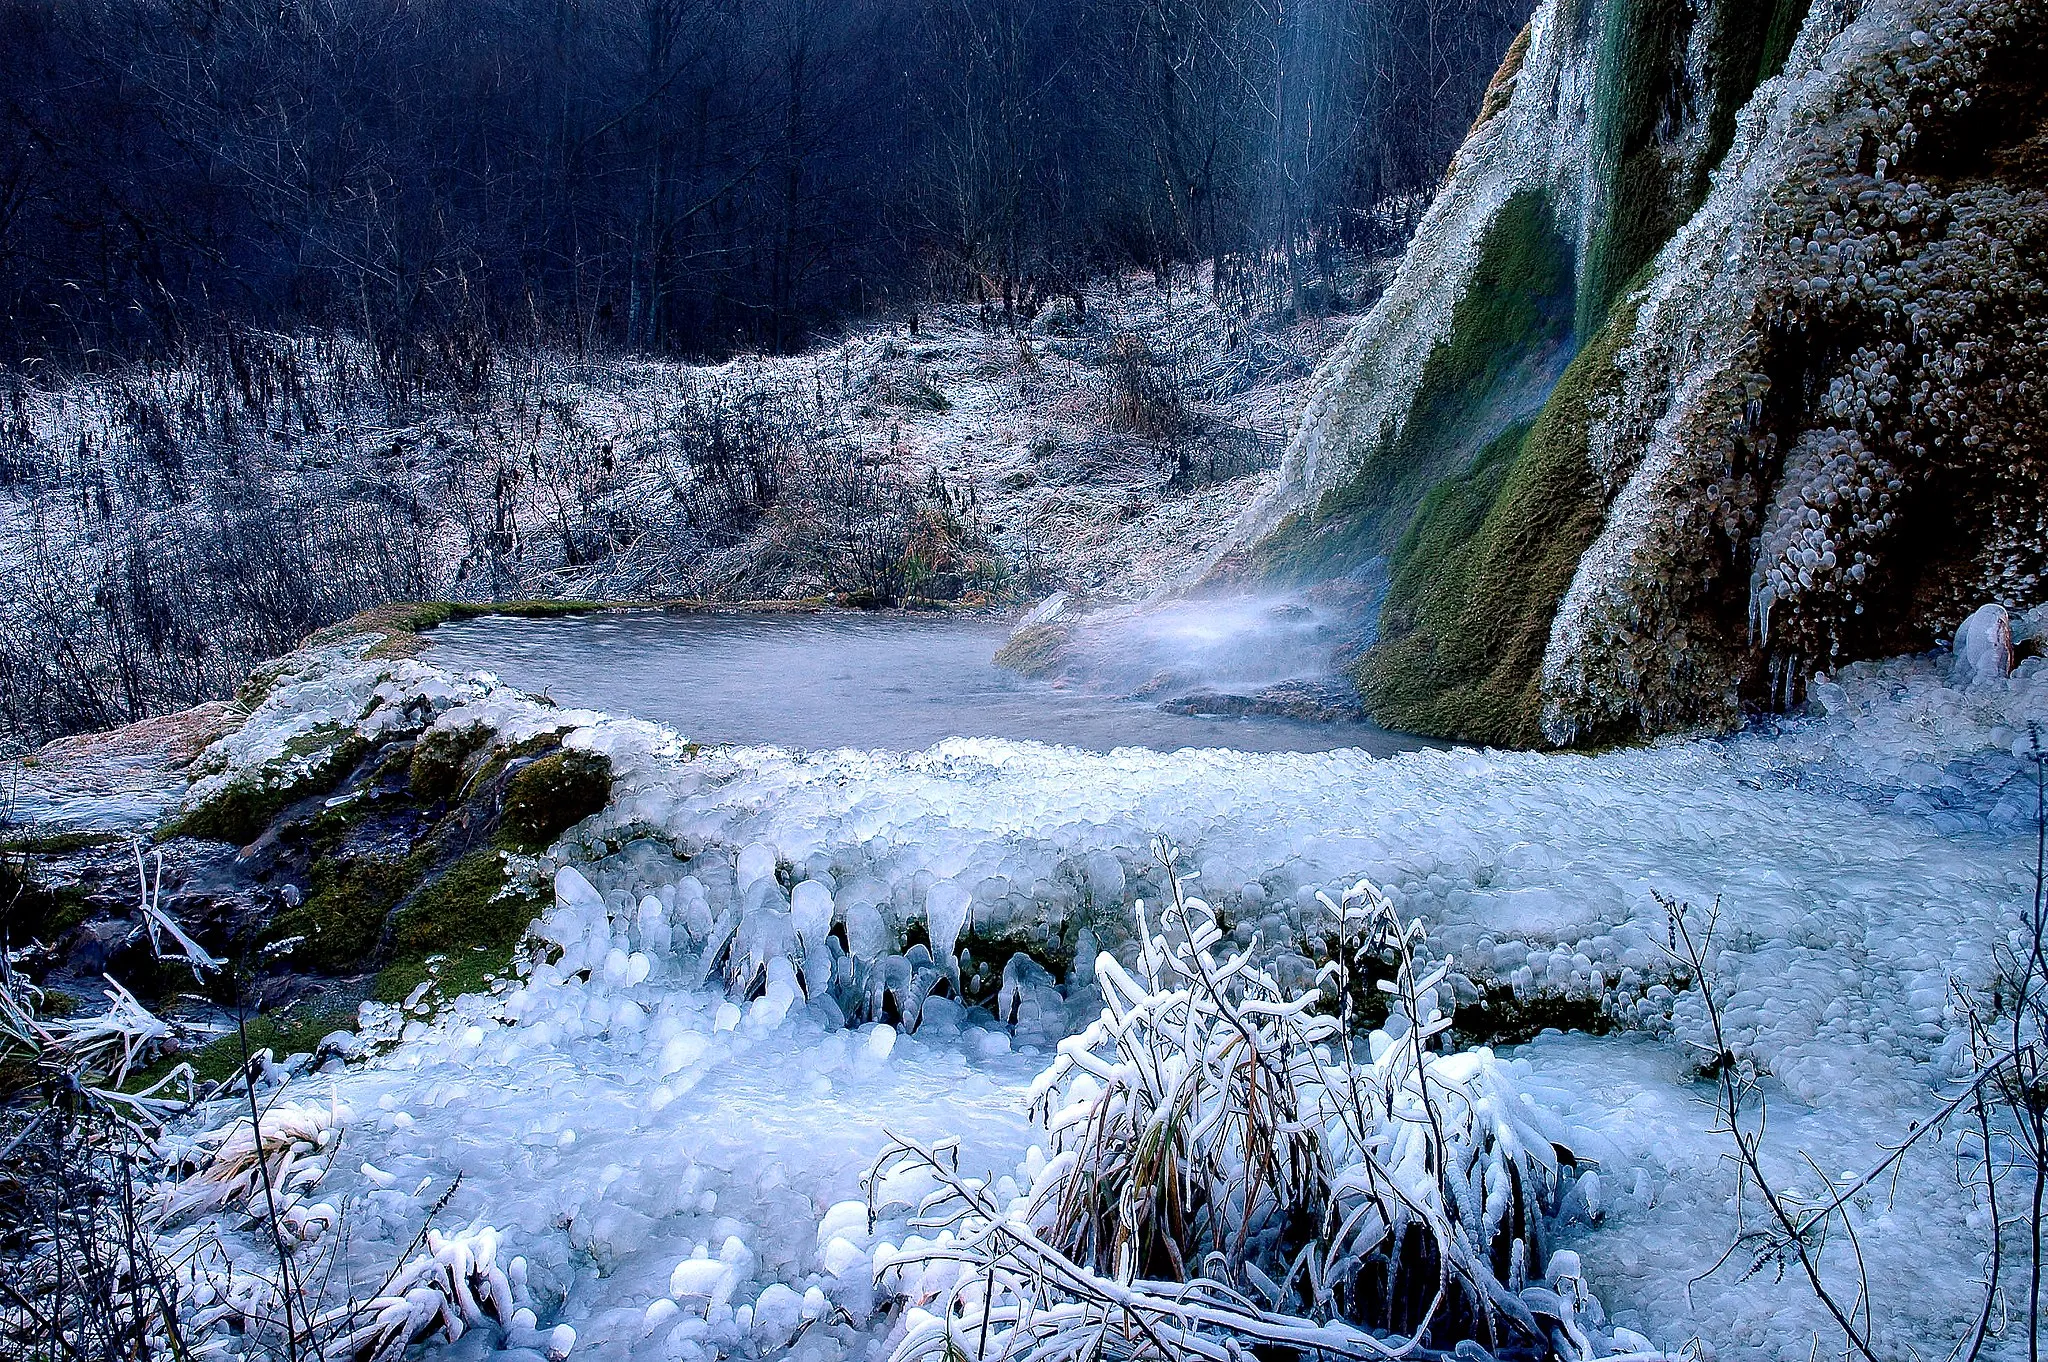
{"x":161,"y":923}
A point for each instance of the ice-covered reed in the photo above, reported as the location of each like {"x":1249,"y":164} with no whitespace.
{"x":1234,"y":1166}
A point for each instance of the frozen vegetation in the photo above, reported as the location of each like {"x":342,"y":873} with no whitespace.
{"x":763,"y":971}
{"x":176,"y":523}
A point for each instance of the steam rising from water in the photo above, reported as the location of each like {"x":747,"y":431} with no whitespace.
{"x":1237,"y":646}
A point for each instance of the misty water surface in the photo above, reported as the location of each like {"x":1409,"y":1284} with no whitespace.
{"x":892,"y":682}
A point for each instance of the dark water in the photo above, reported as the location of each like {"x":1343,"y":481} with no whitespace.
{"x":898,"y":683}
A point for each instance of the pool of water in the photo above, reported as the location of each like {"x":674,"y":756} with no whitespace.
{"x":888,"y":682}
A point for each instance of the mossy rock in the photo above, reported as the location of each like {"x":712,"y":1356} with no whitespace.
{"x":1037,"y":650}
{"x":546,"y":797}
{"x":1747,"y":44}
{"x":1477,"y":578}
{"x":342,"y":917}
{"x":240,"y":810}
{"x":1643,"y":91}
{"x":459,"y":930}
{"x":400,"y":623}
{"x":1509,"y":335}
{"x":289,"y":1031}
{"x":65,"y":842}
{"x":439,"y":758}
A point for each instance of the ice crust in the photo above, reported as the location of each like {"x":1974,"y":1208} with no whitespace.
{"x":659,"y":1141}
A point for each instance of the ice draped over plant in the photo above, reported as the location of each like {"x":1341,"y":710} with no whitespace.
{"x":1233,"y":1166}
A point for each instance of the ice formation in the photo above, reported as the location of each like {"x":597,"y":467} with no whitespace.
{"x":1839,"y":347}
{"x":656,"y":1114}
{"x":1821,"y":221}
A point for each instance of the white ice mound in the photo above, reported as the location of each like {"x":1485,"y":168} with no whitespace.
{"x":1983,"y":646}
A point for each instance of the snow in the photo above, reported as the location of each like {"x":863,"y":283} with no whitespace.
{"x":637,"y":1136}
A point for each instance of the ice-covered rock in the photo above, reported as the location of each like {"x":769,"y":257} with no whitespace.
{"x":1983,"y":646}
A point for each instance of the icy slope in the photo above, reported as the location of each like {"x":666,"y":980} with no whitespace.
{"x":1812,"y":432}
{"x":1776,"y":506}
{"x":1539,"y":139}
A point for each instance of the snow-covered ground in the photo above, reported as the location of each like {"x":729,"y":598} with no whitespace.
{"x":613,"y":1116}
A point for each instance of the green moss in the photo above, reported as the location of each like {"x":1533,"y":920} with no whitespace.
{"x":258,"y":687}
{"x":1642,"y":91}
{"x":342,"y":917}
{"x":41,"y":843}
{"x":1787,"y":18}
{"x":241,"y":810}
{"x":547,"y":797}
{"x":292,"y":1030}
{"x":1746,"y":46}
{"x":289,"y":1032}
{"x":459,"y":930}
{"x":529,"y":609}
{"x":1639,"y":91}
{"x":402,"y":622}
{"x":1477,"y":577}
{"x":1508,"y":333}
{"x":438,"y":759}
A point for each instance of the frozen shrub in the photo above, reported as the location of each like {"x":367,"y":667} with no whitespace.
{"x":1234,"y":1166}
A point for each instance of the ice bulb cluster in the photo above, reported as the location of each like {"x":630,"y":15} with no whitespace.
{"x":1842,"y":349}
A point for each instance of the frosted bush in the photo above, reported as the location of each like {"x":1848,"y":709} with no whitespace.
{"x":1233,"y":1165}
{"x":250,"y":1166}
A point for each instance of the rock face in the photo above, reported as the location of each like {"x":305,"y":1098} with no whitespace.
{"x":1799,"y":265}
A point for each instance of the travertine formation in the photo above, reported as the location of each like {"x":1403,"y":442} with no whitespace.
{"x":1826,"y":437}
{"x":1829,"y":444}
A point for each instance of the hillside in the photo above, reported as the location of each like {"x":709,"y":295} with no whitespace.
{"x":171,"y":525}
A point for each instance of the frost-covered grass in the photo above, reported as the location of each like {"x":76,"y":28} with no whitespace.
{"x":174,"y":524}
{"x":1234,"y":1164}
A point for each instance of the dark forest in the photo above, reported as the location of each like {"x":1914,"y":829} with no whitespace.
{"x":691,"y":177}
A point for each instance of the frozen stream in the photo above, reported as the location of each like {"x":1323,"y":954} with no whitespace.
{"x":615,"y":1117}
{"x":876,"y":682}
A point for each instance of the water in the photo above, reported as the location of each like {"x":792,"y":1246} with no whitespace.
{"x":887,"y":682}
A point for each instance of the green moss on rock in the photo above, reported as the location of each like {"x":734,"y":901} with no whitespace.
{"x":1509,"y":334}
{"x":31,"y":910}
{"x":548,"y":796}
{"x":1649,"y":186}
{"x":1747,"y":44}
{"x":459,"y":931}
{"x":1477,"y":577}
{"x":240,"y":810}
{"x":1641,"y":91}
{"x":342,"y":918}
{"x":438,"y":759}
